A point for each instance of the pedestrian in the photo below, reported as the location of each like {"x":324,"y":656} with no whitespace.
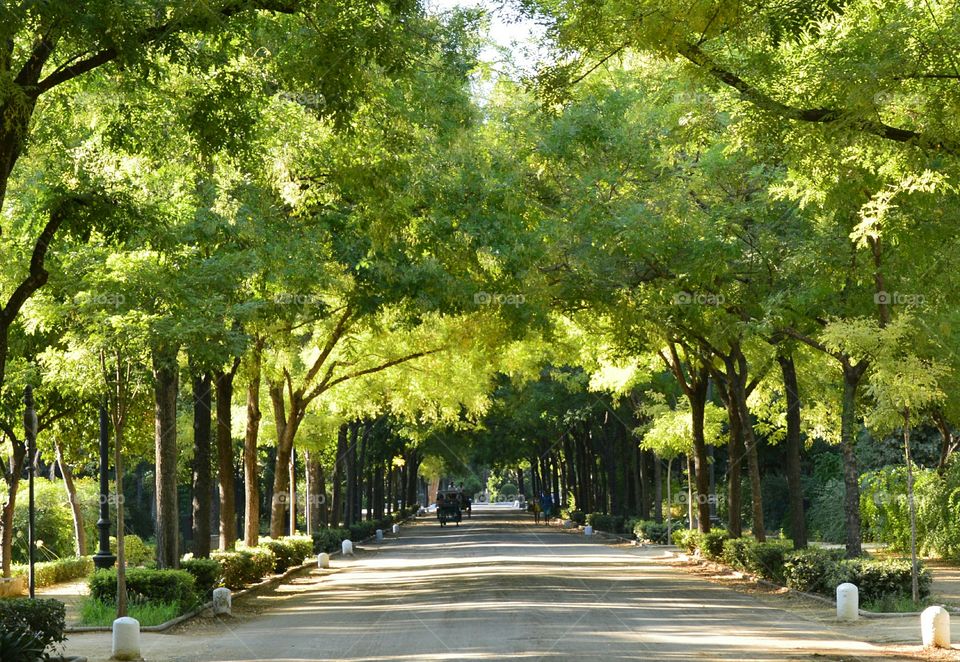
{"x":535,"y":507}
{"x":546,"y":506}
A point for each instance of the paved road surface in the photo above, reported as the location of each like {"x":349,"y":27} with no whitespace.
{"x":496,"y":588}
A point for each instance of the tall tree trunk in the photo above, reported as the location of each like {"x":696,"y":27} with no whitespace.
{"x":251,"y":469}
{"x":202,"y":404}
{"x":948,"y":443}
{"x":798,"y":526}
{"x":914,"y":564}
{"x":323,"y":517}
{"x":336,"y":514}
{"x":851,"y":474}
{"x":658,"y":490}
{"x":79,"y":534}
{"x":225,"y":464}
{"x":697,"y":397}
{"x":735,"y":454}
{"x":737,"y":374}
{"x":12,"y":477}
{"x":166,"y":383}
{"x":281,"y":476}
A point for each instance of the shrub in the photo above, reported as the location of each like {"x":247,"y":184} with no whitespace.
{"x":765,"y":559}
{"x":53,"y":522}
{"x":48,"y":573}
{"x":812,"y":570}
{"x":206,"y":575}
{"x":686,"y":539}
{"x":302,"y":547}
{"x":577,"y":516}
{"x":135,"y":551}
{"x":283,"y":552}
{"x":879,"y":579}
{"x":236,"y":568}
{"x":264,"y":562}
{"x":147,"y":584}
{"x":605,"y":522}
{"x":653,"y":532}
{"x":328,"y":540}
{"x":711,"y":544}
{"x":362,"y":530}
{"x":26,"y":625}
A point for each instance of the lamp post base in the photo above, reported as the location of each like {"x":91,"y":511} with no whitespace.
{"x":103,"y":561}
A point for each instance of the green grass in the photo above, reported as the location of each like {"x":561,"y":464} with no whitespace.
{"x":95,"y":612}
{"x":895,"y":604}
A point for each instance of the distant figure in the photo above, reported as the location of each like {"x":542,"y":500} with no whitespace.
{"x":546,"y":506}
{"x":535,"y":507}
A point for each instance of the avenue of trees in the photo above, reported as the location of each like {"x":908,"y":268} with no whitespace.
{"x":304,"y":264}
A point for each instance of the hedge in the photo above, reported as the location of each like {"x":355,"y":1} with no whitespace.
{"x":48,"y":573}
{"x":28,"y":625}
{"x":244,"y":566}
{"x":605,"y":522}
{"x":173,"y":586}
{"x":136,"y":552}
{"x":821,"y":571}
{"x":329,"y":540}
{"x":289,"y":551}
{"x":812,"y":570}
{"x":652,"y":532}
{"x":206,"y":573}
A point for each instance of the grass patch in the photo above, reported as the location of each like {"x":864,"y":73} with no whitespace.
{"x":895,"y":604}
{"x":97,"y":612}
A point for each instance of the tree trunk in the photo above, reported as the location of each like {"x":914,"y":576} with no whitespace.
{"x":657,"y":489}
{"x":737,"y":371}
{"x":251,"y":469}
{"x":948,"y":443}
{"x":851,"y":475}
{"x":165,"y":427}
{"x":734,"y":459}
{"x":12,"y":478}
{"x":201,"y":464}
{"x":79,"y":534}
{"x":336,"y":514}
{"x":915,"y":566}
{"x":225,"y":464}
{"x":698,"y":403}
{"x":281,"y":474}
{"x":798,"y":526}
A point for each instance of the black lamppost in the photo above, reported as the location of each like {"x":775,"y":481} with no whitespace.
{"x":103,"y":559}
{"x":30,"y":428}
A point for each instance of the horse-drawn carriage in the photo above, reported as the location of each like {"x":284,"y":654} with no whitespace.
{"x":450,"y":506}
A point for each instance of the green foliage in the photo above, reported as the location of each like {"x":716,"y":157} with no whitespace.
{"x":244,"y":566}
{"x":578,"y":517}
{"x":763,"y":559}
{"x":362,"y":530}
{"x":18,"y":644}
{"x":812,"y":570}
{"x":605,"y":522}
{"x":825,"y":517}
{"x":136,"y":551}
{"x":206,"y":573}
{"x":650,"y":531}
{"x":26,"y":625}
{"x":48,"y":573}
{"x":686,"y":539}
{"x":328,"y":540}
{"x":54,"y":523}
{"x":146,"y":584}
{"x":95,"y":612}
{"x":711,"y":544}
{"x":877,"y":579}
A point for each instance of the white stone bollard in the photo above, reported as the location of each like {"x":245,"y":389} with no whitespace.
{"x":222,"y":602}
{"x":588,"y":530}
{"x":396,"y":529}
{"x":379,"y":535}
{"x":126,"y":639}
{"x":346,"y":548}
{"x":935,"y":627}
{"x":323,"y":560}
{"x":848,"y":602}
{"x":516,"y":504}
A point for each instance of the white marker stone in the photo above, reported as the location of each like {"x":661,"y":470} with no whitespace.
{"x":222,"y":602}
{"x":396,"y":529}
{"x":848,"y":602}
{"x":588,"y":530}
{"x":935,"y":627}
{"x":346,"y":548}
{"x":379,"y":535}
{"x":126,"y":639}
{"x":323,"y":560}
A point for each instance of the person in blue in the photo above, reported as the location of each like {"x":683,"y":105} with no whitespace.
{"x":546,"y":506}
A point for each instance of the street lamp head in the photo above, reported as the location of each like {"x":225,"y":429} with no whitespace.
{"x":29,"y":414}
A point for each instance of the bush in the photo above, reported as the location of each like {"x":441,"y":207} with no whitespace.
{"x":135,"y":551}
{"x":147,"y":585}
{"x":362,"y":530}
{"x":302,"y":547}
{"x":765,"y":559}
{"x":578,"y":517}
{"x":48,"y":573}
{"x":711,"y":544}
{"x":812,"y":570}
{"x":652,"y":532}
{"x":53,"y":521}
{"x":264,"y":562}
{"x":236,"y":568}
{"x":735,"y":552}
{"x":206,"y":573}
{"x":605,"y":522}
{"x":687,"y":539}
{"x":26,"y":625}
{"x":328,"y":540}
{"x":879,"y":579}
{"x":283,"y":553}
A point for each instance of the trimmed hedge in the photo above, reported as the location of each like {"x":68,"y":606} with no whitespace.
{"x":136,"y":552}
{"x":821,"y":571}
{"x":207,"y":574}
{"x":652,"y":532}
{"x":48,"y":573}
{"x":173,"y":586}
{"x":362,"y":530}
{"x":605,"y":522}
{"x":329,"y":540}
{"x":711,"y":544}
{"x":244,"y":566}
{"x":27,"y":625}
{"x":812,"y":570}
